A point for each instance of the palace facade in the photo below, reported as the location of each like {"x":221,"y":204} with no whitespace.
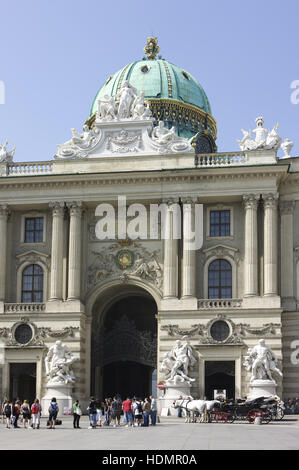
{"x":120,"y":304}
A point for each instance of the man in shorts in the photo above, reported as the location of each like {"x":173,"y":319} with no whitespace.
{"x":128,"y":415}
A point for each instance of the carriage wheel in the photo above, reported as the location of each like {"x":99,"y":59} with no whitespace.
{"x":280,"y":413}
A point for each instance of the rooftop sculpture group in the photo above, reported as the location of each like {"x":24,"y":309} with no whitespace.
{"x":127,"y":104}
{"x":123,"y":124}
{"x":264,"y":139}
{"x":5,"y":156}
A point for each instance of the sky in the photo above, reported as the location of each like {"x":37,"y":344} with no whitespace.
{"x":56,"y":54}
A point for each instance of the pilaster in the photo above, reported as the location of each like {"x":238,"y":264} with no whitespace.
{"x":75,"y":235}
{"x":270,"y":244}
{"x":251,"y":245}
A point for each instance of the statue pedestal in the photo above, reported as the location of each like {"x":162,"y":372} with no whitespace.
{"x":63,"y":394}
{"x":172,"y":393}
{"x":262,"y":388}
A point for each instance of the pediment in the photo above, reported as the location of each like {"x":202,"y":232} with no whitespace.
{"x":33,"y":256}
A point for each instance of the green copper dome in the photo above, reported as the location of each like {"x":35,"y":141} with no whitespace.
{"x":173,"y":95}
{"x":158,"y":79}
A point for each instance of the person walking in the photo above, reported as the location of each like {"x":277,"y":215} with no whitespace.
{"x":26,"y":413}
{"x":77,"y":412}
{"x":7,"y":412}
{"x":128,"y":415}
{"x":153,"y":413}
{"x":36,"y":410}
{"x":146,"y":408}
{"x":53,"y":412}
{"x":92,"y":410}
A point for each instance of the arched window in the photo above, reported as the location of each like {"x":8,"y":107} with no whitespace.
{"x":32,"y":284}
{"x":220,"y":279}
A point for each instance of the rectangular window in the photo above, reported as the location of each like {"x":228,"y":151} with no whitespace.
{"x":220,"y":223}
{"x":34,"y":228}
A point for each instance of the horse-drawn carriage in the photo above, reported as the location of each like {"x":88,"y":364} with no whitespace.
{"x":241,"y":410}
{"x":265,"y":408}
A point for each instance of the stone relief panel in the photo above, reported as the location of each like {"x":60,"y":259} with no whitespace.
{"x":236,"y":334}
{"x":124,"y":260}
{"x":25,"y":333}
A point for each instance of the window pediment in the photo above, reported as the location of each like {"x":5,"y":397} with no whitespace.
{"x":33,"y":257}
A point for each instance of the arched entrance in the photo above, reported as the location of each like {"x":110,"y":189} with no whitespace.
{"x":123,"y":343}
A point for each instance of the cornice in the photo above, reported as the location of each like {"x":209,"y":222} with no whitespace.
{"x":187,"y":175}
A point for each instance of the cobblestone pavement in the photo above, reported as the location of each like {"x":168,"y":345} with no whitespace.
{"x":169,"y":434}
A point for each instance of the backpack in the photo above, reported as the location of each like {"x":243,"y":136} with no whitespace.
{"x":35,"y":408}
{"x":139,"y":407}
{"x":7,"y":409}
{"x":53,"y":406}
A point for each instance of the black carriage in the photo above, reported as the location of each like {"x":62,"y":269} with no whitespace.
{"x":241,"y":410}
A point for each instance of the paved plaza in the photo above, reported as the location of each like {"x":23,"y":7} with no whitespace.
{"x":169,"y":434}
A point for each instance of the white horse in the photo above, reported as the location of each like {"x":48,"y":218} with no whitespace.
{"x":192,"y":406}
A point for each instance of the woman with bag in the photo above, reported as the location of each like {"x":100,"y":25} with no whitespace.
{"x":77,"y":412}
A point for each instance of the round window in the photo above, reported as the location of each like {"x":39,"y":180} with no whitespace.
{"x":220,"y":330}
{"x":23,"y":334}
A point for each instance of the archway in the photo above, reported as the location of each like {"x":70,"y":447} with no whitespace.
{"x":219,"y":375}
{"x":123,"y":343}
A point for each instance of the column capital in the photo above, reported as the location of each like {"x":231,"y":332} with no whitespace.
{"x":270,"y":200}
{"x":75,"y":208}
{"x":57,"y":208}
{"x":189,"y":200}
{"x":250,"y":201}
{"x":4,"y":210}
{"x":170,"y":200}
{"x":286,"y":207}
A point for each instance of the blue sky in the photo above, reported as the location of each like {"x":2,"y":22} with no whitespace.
{"x":55,"y":55}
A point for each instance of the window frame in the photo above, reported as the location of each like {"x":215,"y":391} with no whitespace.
{"x":220,"y":286}
{"x":33,"y":277}
{"x":220,"y":207}
{"x":33,"y":215}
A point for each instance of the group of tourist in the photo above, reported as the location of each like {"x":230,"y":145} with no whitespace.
{"x":15,"y":412}
{"x":292,"y":406}
{"x":136,"y":412}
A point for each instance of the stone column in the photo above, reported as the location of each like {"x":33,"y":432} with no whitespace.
{"x":286,"y":248}
{"x":4,"y":212}
{"x":172,"y":222}
{"x":188,"y":286}
{"x":251,"y":245}
{"x":270,"y":244}
{"x":56,"y":286}
{"x":74,"y":271}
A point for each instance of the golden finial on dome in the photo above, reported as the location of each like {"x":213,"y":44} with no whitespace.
{"x":151,"y":49}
